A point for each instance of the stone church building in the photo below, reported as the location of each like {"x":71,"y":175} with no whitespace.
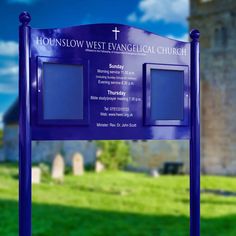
{"x":216,"y":19}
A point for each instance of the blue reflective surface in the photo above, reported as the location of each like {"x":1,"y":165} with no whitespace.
{"x":167,"y":94}
{"x":62,"y":91}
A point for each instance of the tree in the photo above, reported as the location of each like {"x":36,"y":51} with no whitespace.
{"x":115,"y":153}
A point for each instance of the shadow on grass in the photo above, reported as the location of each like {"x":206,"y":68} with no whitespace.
{"x":227,"y":202}
{"x":51,"y":220}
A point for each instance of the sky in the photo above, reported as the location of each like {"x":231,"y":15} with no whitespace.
{"x":163,"y":17}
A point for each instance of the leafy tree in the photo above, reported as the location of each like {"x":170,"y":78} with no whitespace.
{"x":115,"y":154}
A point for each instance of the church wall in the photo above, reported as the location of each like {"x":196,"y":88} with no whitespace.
{"x":2,"y":156}
{"x":218,"y":84}
{"x":45,"y":151}
{"x":153,"y":154}
{"x":10,"y":142}
{"x":146,"y":155}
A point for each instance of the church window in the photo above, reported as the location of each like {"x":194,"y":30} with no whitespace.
{"x":224,"y":37}
{"x":217,"y":37}
{"x":220,"y":37}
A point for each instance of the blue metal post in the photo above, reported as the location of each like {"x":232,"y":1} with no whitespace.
{"x":24,"y":128}
{"x":195,"y":167}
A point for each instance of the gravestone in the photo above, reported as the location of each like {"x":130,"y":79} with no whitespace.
{"x":36,"y":175}
{"x":58,"y":167}
{"x":78,"y":164}
{"x":154,"y":173}
{"x":98,"y":153}
{"x":99,"y":167}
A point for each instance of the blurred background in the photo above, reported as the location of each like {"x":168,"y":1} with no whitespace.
{"x":147,"y":180}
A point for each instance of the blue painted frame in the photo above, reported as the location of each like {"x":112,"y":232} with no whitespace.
{"x":195,"y":155}
{"x":25,"y":221}
{"x":25,"y":130}
{"x":147,"y":103}
{"x":63,"y":61}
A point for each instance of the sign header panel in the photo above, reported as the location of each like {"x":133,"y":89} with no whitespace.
{"x":108,"y":81}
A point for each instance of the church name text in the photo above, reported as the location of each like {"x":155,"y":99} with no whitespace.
{"x":110,"y":46}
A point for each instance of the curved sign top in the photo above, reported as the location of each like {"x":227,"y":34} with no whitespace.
{"x":99,"y":80}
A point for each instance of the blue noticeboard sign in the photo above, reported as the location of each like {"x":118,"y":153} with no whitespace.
{"x":57,"y":99}
{"x":107,"y":82}
{"x":62,"y":92}
{"x":167,"y":95}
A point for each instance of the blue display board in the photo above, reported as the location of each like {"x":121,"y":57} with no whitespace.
{"x":167,"y":95}
{"x":167,"y":90}
{"x":107,"y":82}
{"x":65,"y":100}
{"x":62,"y":91}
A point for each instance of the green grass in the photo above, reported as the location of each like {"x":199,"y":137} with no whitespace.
{"x":117,"y":204}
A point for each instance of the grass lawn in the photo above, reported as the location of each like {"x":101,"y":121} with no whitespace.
{"x":117,"y":204}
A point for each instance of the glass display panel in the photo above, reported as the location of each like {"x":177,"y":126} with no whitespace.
{"x":167,"y":94}
{"x":62,"y":92}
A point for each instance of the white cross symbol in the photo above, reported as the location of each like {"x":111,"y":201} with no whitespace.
{"x":116,"y":31}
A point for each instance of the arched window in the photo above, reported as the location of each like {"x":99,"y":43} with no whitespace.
{"x":224,"y":36}
{"x":217,"y":37}
{"x":220,"y":37}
